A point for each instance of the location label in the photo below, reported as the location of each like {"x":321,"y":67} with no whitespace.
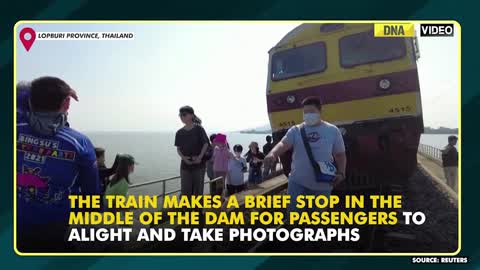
{"x":27,"y":37}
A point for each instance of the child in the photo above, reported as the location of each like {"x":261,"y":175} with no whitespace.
{"x":103,"y":172}
{"x":209,"y":162}
{"x":118,"y":185}
{"x":221,"y":155}
{"x":254,"y":159}
{"x":237,"y":166}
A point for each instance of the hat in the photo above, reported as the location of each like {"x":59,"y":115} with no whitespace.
{"x":126,"y":158}
{"x":220,"y":138}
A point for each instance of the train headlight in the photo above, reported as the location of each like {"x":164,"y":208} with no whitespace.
{"x":291,"y":99}
{"x":384,"y":84}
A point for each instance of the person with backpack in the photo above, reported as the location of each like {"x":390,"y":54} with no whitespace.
{"x":316,"y":145}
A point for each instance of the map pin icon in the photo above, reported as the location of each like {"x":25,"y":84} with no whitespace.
{"x":27,"y":43}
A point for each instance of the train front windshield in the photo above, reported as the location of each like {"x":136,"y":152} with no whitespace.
{"x":299,"y":61}
{"x":364,"y":48}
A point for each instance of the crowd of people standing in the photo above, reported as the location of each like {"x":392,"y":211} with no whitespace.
{"x":55,"y":161}
{"x":212,"y":155}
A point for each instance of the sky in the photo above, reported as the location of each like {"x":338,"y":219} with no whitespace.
{"x":220,"y":69}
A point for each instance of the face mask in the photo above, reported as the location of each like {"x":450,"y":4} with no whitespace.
{"x":237,"y":154}
{"x":311,"y":118}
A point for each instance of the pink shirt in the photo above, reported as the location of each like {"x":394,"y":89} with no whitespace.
{"x":220,"y":159}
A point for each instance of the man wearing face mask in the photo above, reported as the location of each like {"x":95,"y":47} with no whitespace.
{"x":326,"y":144}
{"x":53,"y":162}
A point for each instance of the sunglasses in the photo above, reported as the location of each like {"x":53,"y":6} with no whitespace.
{"x":182,"y":114}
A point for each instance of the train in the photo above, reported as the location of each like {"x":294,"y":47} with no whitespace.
{"x":369,"y":87}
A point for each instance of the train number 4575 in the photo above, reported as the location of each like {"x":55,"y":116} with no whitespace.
{"x":400,"y":109}
{"x":286,"y":124}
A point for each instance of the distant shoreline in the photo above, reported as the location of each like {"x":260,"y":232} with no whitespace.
{"x":435,"y":133}
{"x":255,"y":132}
{"x":427,"y":130}
{"x":440,"y":130}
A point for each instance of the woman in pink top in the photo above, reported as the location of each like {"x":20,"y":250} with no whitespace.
{"x":221,"y":155}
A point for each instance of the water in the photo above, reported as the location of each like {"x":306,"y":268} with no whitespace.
{"x":157,"y":156}
{"x":436,"y":140}
{"x":155,"y":153}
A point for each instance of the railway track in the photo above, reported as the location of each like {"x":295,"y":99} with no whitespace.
{"x":438,"y":234}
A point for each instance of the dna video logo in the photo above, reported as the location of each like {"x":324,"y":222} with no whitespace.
{"x":394,"y":30}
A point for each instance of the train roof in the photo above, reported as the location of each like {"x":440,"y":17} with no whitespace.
{"x":293,"y":33}
{"x":299,"y":31}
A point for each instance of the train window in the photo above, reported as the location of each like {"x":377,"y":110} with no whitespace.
{"x":299,"y":61}
{"x":364,"y":48}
